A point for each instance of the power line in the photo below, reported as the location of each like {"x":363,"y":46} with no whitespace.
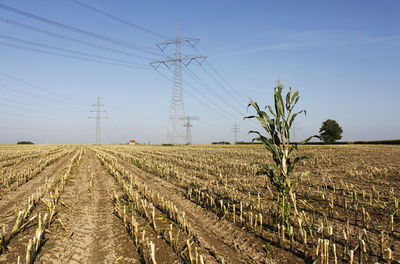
{"x":220,"y":85}
{"x":211,"y":106}
{"x":40,"y":117}
{"x":206,"y":106}
{"x":205,"y":85}
{"x":226,"y":115}
{"x":69,"y":56}
{"x":118,"y":19}
{"x":222,"y":78}
{"x":214,"y":70}
{"x":41,"y":98}
{"x":70,"y":51}
{"x":38,"y":106}
{"x":14,"y":23}
{"x":80,"y":31}
{"x":201,"y":82}
{"x":21,"y":108}
{"x":48,"y":129}
{"x":123,"y":136}
{"x":35,"y":86}
{"x":42,"y":129}
{"x":228,"y":91}
{"x":31,"y":110}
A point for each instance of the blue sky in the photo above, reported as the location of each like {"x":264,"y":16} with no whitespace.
{"x":343,"y":57}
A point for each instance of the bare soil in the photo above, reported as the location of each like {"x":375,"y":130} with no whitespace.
{"x":86,"y":228}
{"x":90,"y":232}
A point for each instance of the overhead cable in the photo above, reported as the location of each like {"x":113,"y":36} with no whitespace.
{"x":39,"y":117}
{"x":205,"y":85}
{"x":118,"y":19}
{"x":77,"y":30}
{"x":70,"y":51}
{"x":32,"y":110}
{"x":61,"y":97}
{"x":42,"y":129}
{"x":90,"y":44}
{"x":70,"y":56}
{"x":223,"y":79}
{"x":207,"y":106}
{"x":41,"y":98}
{"x":227,"y":91}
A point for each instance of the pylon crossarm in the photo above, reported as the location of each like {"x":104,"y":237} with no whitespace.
{"x":200,"y":60}
{"x":155,"y":65}
{"x":168,"y":64}
{"x":190,"y":58}
{"x":188,"y":61}
{"x":163,"y":45}
{"x":185,"y":59}
{"x":163,"y":61}
{"x":191,"y":41}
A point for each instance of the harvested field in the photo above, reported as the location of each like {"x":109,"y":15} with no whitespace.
{"x":195,"y":204}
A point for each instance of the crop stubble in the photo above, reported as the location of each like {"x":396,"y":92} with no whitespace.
{"x":358,"y":185}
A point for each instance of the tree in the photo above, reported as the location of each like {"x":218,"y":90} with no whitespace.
{"x":330,"y":131}
{"x":25,"y":142}
{"x":277,"y":141}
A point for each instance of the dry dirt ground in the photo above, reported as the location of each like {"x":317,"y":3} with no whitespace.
{"x":85,"y":228}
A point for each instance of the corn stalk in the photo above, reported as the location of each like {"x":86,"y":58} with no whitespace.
{"x":277,"y":124}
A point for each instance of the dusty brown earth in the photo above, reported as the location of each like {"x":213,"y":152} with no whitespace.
{"x":86,"y":229}
{"x":229,"y":241}
{"x":12,"y":201}
{"x":90,"y":232}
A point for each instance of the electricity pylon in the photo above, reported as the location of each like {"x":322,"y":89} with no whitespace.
{"x":98,"y":117}
{"x":188,"y":126}
{"x":175,"y":133}
{"x":235,"y":130}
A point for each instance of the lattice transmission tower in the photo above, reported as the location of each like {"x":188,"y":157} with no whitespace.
{"x":98,"y":117}
{"x":175,"y":127}
{"x":189,"y":126}
{"x":235,"y":130}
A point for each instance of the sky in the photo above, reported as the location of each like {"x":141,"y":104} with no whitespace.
{"x":58,"y":56}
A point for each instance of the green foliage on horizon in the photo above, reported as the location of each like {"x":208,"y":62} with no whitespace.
{"x":25,"y":143}
{"x":330,"y":131}
{"x":221,"y":143}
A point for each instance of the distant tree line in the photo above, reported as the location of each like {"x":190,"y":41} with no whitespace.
{"x":221,"y":143}
{"x":360,"y":142}
{"x":25,"y":142}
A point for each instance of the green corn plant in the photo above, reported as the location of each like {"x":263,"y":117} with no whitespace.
{"x":277,"y":124}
